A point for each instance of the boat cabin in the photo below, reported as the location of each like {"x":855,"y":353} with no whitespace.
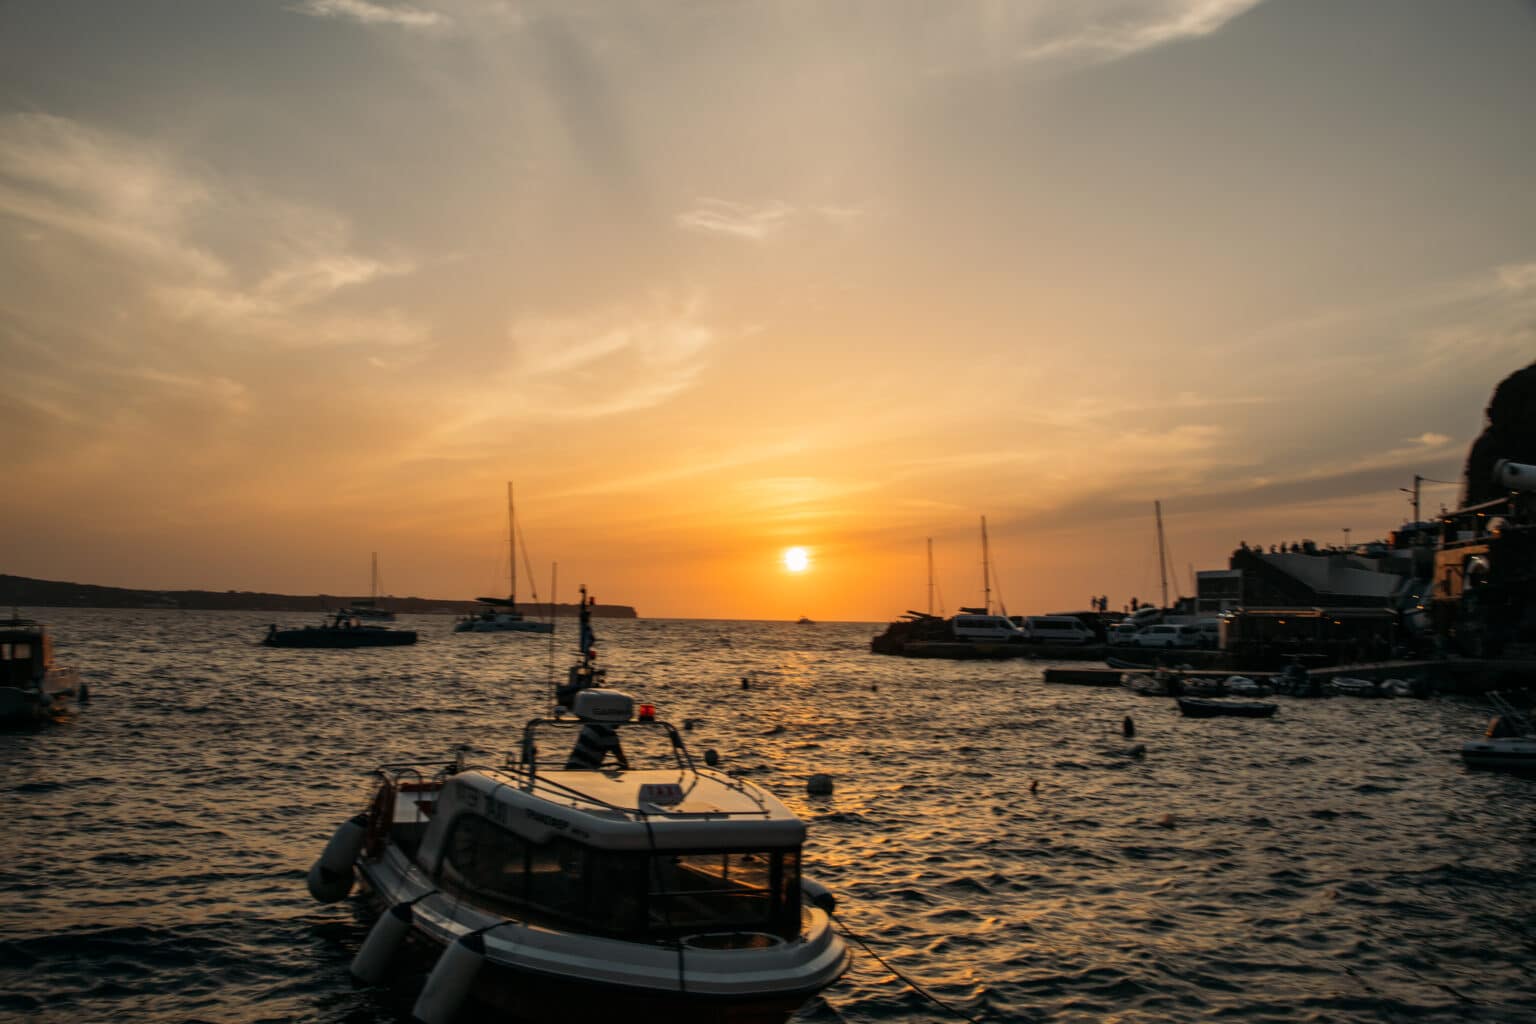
{"x":26,"y":651}
{"x":663,"y":852}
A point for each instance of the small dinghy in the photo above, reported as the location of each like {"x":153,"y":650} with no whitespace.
{"x":1145,"y":683}
{"x":1198,"y":707}
{"x":1509,"y":745}
{"x":1348,"y":686}
{"x":1242,"y":686}
{"x":576,"y":883}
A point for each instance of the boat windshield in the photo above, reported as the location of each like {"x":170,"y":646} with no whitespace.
{"x":661,"y":894}
{"x":553,"y":744}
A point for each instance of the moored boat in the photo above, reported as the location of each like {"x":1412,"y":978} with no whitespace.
{"x":1199,"y":707}
{"x":1508,"y":745}
{"x":1243,"y":686}
{"x":1349,"y":686}
{"x":340,"y":631}
{"x":33,"y":687}
{"x":500,"y":614}
{"x":601,"y":873}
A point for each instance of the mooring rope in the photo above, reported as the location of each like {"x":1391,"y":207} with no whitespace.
{"x":914,"y":986}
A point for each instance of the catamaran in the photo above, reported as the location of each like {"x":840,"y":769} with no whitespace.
{"x":500,"y":614}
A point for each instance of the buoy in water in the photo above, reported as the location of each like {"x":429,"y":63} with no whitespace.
{"x":1128,"y":727}
{"x":1034,"y":785}
{"x":819,"y":785}
{"x":450,"y":981}
{"x":330,"y":877}
{"x":372,"y":961}
{"x":84,"y":694}
{"x":712,"y":757}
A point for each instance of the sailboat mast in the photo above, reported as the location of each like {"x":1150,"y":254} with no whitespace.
{"x":511,"y":547}
{"x":373,"y":587}
{"x":986,"y":569}
{"x":1162,"y":557}
{"x":930,"y":576}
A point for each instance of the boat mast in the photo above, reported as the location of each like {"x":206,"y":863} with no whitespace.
{"x":930,"y":576}
{"x":511,"y":548}
{"x":1162,"y":556}
{"x":373,"y":588}
{"x":986,"y":569}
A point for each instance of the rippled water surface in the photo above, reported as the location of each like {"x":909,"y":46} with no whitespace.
{"x":992,"y":836}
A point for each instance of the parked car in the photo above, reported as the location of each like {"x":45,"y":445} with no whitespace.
{"x":1056,"y":629}
{"x":1121,"y":634}
{"x":986,"y":628}
{"x":1168,"y":635}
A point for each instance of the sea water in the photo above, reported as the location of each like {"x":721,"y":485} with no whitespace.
{"x":993,"y":838}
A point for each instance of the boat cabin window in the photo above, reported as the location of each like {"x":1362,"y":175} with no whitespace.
{"x":15,"y":652}
{"x":629,"y":892}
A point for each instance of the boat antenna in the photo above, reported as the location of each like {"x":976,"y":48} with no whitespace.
{"x":1162,"y":556}
{"x":930,"y":577}
{"x":511,"y":549}
{"x":554,"y":579}
{"x":986,"y":569}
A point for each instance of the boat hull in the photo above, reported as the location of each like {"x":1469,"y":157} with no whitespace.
{"x":538,"y":974}
{"x":504,"y":627}
{"x":1195,"y":707}
{"x":1508,"y":754}
{"x":340,"y":638}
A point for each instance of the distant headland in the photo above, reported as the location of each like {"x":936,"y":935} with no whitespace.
{"x":21,"y":591}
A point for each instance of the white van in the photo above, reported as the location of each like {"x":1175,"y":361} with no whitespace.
{"x":1121,"y":634}
{"x":1056,"y":629}
{"x":1169,"y":635}
{"x":986,"y":628}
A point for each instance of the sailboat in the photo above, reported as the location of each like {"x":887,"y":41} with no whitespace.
{"x":500,"y":614}
{"x":370,"y":609}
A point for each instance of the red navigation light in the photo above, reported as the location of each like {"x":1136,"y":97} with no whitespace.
{"x":647,"y":713}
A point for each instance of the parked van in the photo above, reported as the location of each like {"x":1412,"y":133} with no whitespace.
{"x":1056,"y":629}
{"x":1169,"y":635}
{"x":1121,"y":634}
{"x":1210,"y":633}
{"x":985,"y":628}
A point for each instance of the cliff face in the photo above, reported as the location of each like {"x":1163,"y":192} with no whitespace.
{"x":1510,"y":434}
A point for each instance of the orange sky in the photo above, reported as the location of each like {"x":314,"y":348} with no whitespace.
{"x":284,"y":285}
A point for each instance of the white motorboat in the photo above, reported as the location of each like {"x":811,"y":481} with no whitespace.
{"x":1350,"y":686}
{"x":565,"y":886}
{"x":33,"y":688}
{"x":1242,"y":686}
{"x":1508,"y":745}
{"x":1502,"y":753}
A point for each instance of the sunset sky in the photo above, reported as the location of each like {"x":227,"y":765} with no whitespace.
{"x":286,"y":283}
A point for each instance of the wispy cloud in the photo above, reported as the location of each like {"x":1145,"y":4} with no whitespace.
{"x":613,"y":362}
{"x":721,"y":217}
{"x":1109,"y":29}
{"x":369,"y":12}
{"x":134,"y":203}
{"x":60,"y":175}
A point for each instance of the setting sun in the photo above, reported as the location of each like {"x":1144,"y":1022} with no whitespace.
{"x":797,"y":559}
